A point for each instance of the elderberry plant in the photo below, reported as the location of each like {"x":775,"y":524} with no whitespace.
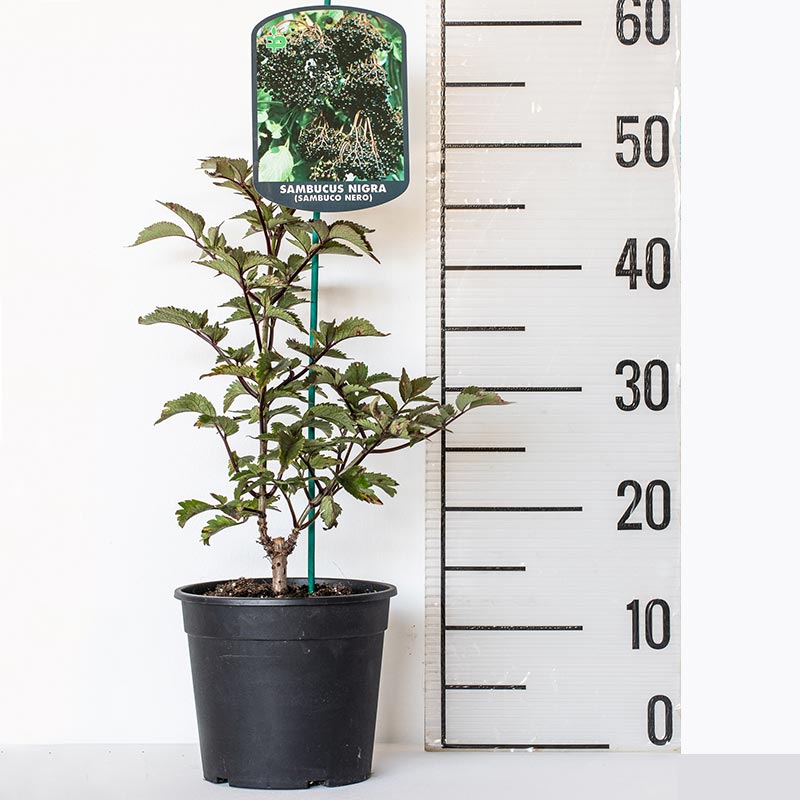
{"x":263,"y":418}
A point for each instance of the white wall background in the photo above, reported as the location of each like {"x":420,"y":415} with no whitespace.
{"x":104,"y":108}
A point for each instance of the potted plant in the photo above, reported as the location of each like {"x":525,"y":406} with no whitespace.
{"x":286,"y":679}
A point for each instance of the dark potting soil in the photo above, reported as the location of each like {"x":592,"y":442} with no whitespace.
{"x":258,"y":587}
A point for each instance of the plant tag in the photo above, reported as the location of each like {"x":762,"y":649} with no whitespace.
{"x":330,"y":119}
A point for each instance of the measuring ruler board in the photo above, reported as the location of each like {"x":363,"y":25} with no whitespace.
{"x":553,"y":550}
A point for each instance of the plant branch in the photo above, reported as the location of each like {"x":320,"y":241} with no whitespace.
{"x":227,"y":360}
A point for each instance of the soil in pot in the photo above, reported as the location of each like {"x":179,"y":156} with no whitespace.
{"x":262,"y":588}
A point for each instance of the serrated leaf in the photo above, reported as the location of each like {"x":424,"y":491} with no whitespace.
{"x":191,"y":402}
{"x":193,"y":220}
{"x":215,"y":332}
{"x":337,"y":249}
{"x":332,"y":413}
{"x":221,"y":266}
{"x":354,"y":482}
{"x":329,"y":510}
{"x":321,"y":461}
{"x":353,"y":233}
{"x":190,"y":508}
{"x":290,"y":445}
{"x":236,"y":370}
{"x":158,"y":230}
{"x":357,"y":373}
{"x":383,"y":482}
{"x":320,"y":228}
{"x":226,"y":425}
{"x":232,"y":392}
{"x":421,"y":385}
{"x":286,"y":316}
{"x":405,"y":386}
{"x":217,"y":524}
{"x":350,"y":328}
{"x":473,"y":397}
{"x":171,"y":315}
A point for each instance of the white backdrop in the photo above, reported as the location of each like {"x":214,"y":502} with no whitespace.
{"x":106,"y":108}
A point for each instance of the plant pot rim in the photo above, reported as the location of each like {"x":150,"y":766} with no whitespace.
{"x":190,"y":593}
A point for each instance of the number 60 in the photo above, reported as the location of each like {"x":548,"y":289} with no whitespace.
{"x":634,"y":20}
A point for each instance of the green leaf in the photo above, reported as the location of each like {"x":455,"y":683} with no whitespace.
{"x":383,"y":482}
{"x":350,"y":328}
{"x":233,"y":391}
{"x":321,"y":461}
{"x":354,"y":233}
{"x":337,"y":249}
{"x":226,"y":425}
{"x":192,"y":402}
{"x":193,"y":220}
{"x":329,"y":510}
{"x":466,"y":396}
{"x":217,"y":524}
{"x":237,"y":370}
{"x":290,"y":445}
{"x":286,"y":316}
{"x":227,"y":169}
{"x":405,"y":386}
{"x":421,"y":385}
{"x":170,"y":315}
{"x":320,"y":227}
{"x":473,"y":397}
{"x":332,"y":413}
{"x":159,"y":230}
{"x":190,"y":508}
{"x":275,"y":165}
{"x":356,"y":483}
{"x":357,"y":373}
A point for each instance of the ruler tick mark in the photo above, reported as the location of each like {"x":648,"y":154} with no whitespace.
{"x":509,"y":389}
{"x":485,"y":328}
{"x":485,"y":449}
{"x":486,"y":569}
{"x":513,"y":687}
{"x":515,"y":509}
{"x":524,"y":746}
{"x":513,"y":145}
{"x":516,"y":23}
{"x":514,"y":627}
{"x":513,"y":267}
{"x":486,"y":207}
{"x":485,"y":84}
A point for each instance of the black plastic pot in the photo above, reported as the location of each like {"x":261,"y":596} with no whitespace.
{"x":286,"y":690}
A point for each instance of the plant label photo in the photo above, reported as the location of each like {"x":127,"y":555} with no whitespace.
{"x":330,"y":108}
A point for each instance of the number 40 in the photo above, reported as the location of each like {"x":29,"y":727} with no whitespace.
{"x":628,"y":264}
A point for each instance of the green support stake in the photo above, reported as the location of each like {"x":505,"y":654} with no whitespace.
{"x":312,"y":391}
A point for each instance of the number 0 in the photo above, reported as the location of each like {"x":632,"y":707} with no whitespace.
{"x":652,"y":734}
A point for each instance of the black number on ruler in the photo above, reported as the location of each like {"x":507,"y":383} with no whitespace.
{"x":630,"y":257}
{"x":636,"y":153}
{"x":632,"y":384}
{"x":649,"y":503}
{"x":663,"y":700}
{"x":663,"y":640}
{"x":636,"y":23}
